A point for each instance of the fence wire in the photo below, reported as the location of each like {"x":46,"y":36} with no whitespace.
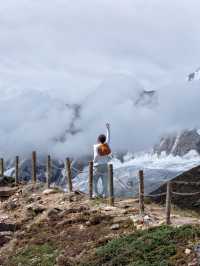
{"x":186,"y":183}
{"x":56,"y":167}
{"x":185,"y":194}
{"x":173,"y":192}
{"x":155,"y":195}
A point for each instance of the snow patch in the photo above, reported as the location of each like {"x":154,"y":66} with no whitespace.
{"x":198,"y":131}
{"x":175,"y":143}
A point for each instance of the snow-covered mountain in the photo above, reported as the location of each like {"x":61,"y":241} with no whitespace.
{"x":194,"y":75}
{"x":180,"y":143}
{"x":147,"y":99}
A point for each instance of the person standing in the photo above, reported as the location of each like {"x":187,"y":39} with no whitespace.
{"x":102,"y":155}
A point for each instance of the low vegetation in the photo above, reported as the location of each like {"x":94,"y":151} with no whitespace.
{"x":35,"y":255}
{"x":162,"y":246}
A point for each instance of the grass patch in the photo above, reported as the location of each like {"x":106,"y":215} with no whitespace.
{"x":35,"y":255}
{"x":162,"y":246}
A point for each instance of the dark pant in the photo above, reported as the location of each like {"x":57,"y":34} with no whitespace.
{"x":101,"y":173}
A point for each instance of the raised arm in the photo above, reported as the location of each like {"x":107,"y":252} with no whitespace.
{"x":108,"y":133}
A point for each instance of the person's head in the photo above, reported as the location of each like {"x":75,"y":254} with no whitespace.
{"x":101,"y":139}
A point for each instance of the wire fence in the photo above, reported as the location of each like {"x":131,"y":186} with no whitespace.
{"x":67,"y":171}
{"x":185,"y":194}
{"x":156,"y":195}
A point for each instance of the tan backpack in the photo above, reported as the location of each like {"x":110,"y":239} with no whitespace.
{"x":104,"y":150}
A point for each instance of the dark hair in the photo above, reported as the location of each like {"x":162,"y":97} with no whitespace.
{"x":102,"y":138}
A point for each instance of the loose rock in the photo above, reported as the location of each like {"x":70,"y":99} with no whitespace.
{"x":188,"y":251}
{"x":35,"y":209}
{"x":138,"y":219}
{"x":115,"y":227}
{"x":49,"y":191}
{"x":53,"y":213}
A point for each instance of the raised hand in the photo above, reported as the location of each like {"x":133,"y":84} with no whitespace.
{"x":108,"y":125}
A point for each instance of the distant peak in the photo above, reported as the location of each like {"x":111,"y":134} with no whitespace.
{"x":147,"y":98}
{"x":194,"y":75}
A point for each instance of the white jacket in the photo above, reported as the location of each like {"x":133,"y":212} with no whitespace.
{"x":102,"y":159}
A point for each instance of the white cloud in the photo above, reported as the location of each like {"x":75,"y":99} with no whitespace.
{"x":57,"y":52}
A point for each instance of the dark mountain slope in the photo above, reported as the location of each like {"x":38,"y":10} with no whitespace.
{"x":187,"y":182}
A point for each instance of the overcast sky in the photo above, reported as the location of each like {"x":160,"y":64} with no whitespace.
{"x":86,"y":51}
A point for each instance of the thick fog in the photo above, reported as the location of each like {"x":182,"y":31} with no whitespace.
{"x":99,"y":54}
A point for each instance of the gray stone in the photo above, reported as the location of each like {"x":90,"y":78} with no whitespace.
{"x":49,"y":191}
{"x":11,"y":205}
{"x":35,"y":209}
{"x":88,"y":223}
{"x":53,"y":213}
{"x":115,"y":227}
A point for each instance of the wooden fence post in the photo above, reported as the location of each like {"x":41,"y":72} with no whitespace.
{"x":34,"y":171}
{"x":69,"y":175}
{"x":141,"y":192}
{"x":49,"y":171}
{"x":16,"y":170}
{"x":111,"y":184}
{"x":90,"y":179}
{"x":1,"y":167}
{"x":168,"y":203}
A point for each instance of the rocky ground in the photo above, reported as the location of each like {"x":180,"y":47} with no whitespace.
{"x":41,"y":226}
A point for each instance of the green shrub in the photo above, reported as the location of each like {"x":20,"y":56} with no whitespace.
{"x":35,"y":255}
{"x":155,"y":246}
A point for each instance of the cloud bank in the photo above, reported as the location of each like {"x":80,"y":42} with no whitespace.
{"x":97,"y":53}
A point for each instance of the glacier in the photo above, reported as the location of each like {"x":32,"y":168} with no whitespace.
{"x":157,"y":169}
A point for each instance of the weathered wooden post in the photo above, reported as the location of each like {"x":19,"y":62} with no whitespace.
{"x":90,"y":179}
{"x":69,"y":175}
{"x":49,"y":171}
{"x":111,"y":184}
{"x":168,"y":203}
{"x":1,"y":167}
{"x":141,"y":192}
{"x":16,"y":170}
{"x":34,"y":167}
